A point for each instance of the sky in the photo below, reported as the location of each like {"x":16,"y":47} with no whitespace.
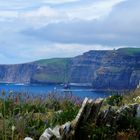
{"x":40,"y":29}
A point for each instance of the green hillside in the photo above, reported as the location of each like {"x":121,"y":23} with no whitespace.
{"x":130,"y":51}
{"x":53,"y":70}
{"x":54,"y":61}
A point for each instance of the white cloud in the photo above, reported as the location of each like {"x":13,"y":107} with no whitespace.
{"x":45,"y":14}
{"x":93,"y":10}
{"x":42,"y":16}
{"x":8,"y":15}
{"x":16,"y":47}
{"x":13,"y":53}
{"x":66,"y":50}
{"x":59,"y":1}
{"x":24,"y":4}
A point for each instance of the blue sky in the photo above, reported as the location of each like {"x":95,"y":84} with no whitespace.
{"x":38,"y":29}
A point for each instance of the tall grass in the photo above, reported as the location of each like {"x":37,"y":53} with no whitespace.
{"x":24,"y":115}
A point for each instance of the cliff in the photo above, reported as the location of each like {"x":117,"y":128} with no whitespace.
{"x":108,"y":69}
{"x":117,"y":69}
{"x":19,"y":73}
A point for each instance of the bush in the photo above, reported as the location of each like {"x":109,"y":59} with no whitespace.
{"x":115,"y":100}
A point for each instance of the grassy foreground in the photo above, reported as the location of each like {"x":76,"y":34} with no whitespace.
{"x":127,"y":128}
{"x":22,"y":116}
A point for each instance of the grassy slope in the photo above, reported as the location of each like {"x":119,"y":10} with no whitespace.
{"x":54,"y":61}
{"x":57,"y":72}
{"x":130,"y":51}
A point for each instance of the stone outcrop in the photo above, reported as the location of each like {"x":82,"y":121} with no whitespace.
{"x":90,"y":112}
{"x":138,"y":112}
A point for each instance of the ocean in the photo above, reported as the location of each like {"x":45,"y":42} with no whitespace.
{"x":44,"y":90}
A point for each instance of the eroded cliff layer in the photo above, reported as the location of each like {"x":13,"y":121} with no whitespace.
{"x":115,"y":69}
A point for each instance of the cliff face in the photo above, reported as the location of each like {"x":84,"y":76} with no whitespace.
{"x":21,"y":73}
{"x":117,"y":69}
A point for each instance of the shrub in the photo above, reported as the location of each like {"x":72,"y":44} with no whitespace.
{"x":115,"y":100}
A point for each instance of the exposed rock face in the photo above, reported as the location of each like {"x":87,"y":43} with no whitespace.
{"x":21,"y":73}
{"x":112,"y":69}
{"x":107,"y":69}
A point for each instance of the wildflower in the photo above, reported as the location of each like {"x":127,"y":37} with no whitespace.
{"x":13,"y":128}
{"x":137,"y":98}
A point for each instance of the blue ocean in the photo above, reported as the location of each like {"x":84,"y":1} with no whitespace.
{"x":44,"y":90}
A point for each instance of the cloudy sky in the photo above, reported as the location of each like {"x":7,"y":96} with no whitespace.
{"x":36,"y":29}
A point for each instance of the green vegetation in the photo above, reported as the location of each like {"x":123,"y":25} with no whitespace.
{"x":130,"y":51}
{"x":127,"y":128}
{"x":50,"y":77}
{"x":115,"y":69}
{"x":56,"y":70}
{"x":114,"y":100}
{"x":54,"y":61}
{"x":22,"y":116}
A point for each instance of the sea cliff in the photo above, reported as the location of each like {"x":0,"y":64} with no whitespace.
{"x":103,"y":70}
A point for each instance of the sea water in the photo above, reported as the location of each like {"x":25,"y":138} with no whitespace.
{"x":45,"y":89}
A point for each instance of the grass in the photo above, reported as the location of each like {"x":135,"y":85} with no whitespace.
{"x":130,"y":51}
{"x":54,"y":61}
{"x":51,"y":78}
{"x":125,"y":129}
{"x":23,"y":116}
{"x":56,"y":70}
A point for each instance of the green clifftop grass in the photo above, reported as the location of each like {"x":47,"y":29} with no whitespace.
{"x":54,"y":61}
{"x":130,"y":51}
{"x":52,"y":70}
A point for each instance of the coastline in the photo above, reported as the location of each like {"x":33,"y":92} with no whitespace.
{"x":82,"y":85}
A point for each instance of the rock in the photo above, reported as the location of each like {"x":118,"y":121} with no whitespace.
{"x":66,"y":127}
{"x":130,"y":110}
{"x":47,"y":135}
{"x":138,"y":111}
{"x":65,"y":131}
{"x":80,"y":113}
{"x":28,"y":138}
{"x":56,"y":132}
{"x":90,"y":112}
{"x":107,"y":69}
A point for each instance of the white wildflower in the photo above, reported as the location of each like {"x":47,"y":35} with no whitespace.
{"x":13,"y":128}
